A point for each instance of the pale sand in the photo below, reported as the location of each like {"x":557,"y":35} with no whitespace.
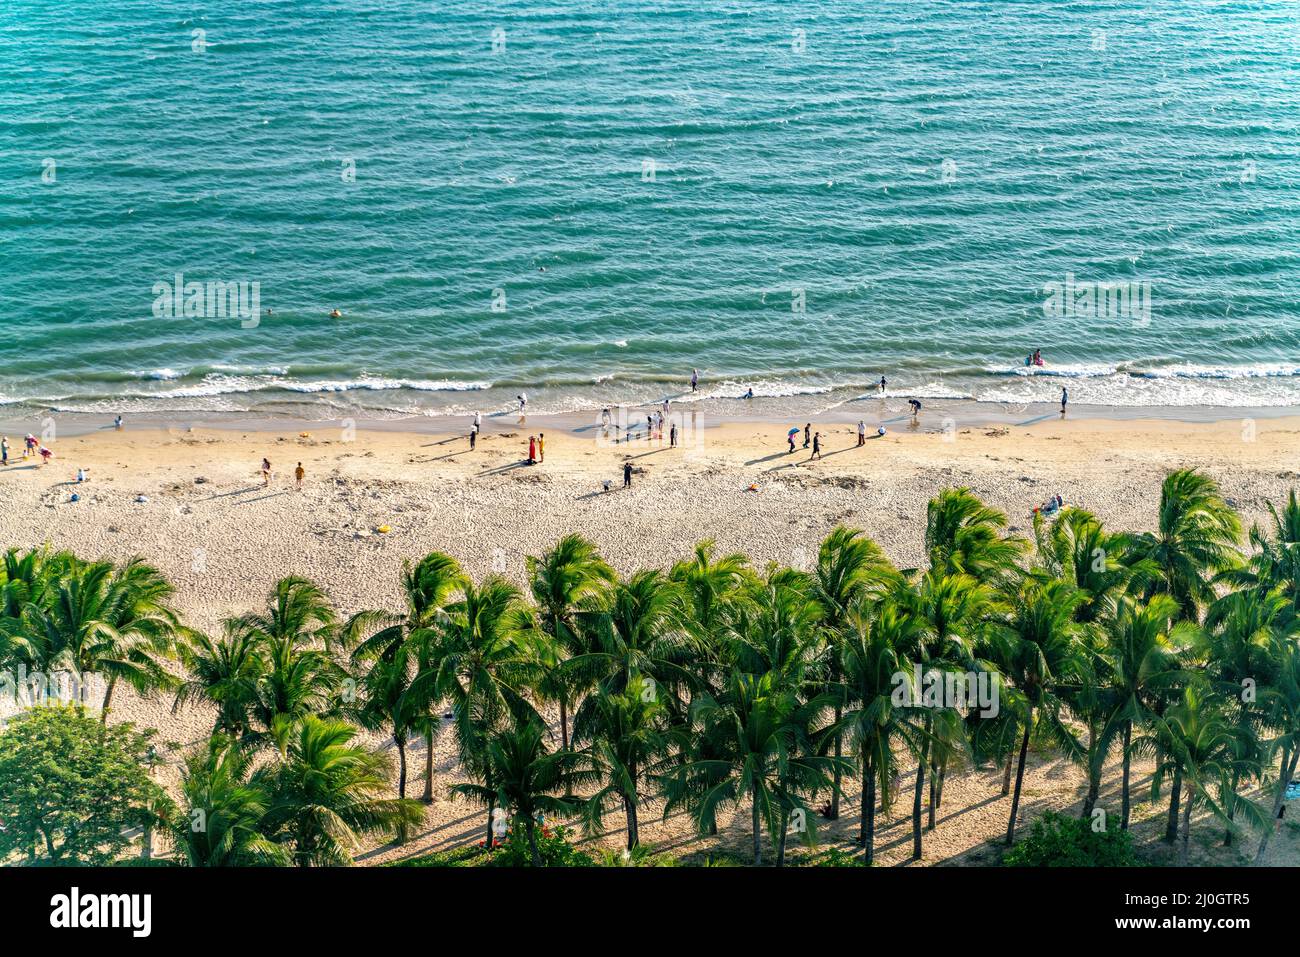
{"x":225,"y":541}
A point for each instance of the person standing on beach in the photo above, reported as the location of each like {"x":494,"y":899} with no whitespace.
{"x":882,"y":385}
{"x":672,"y":436}
{"x":1065,"y":397}
{"x":298,"y":475}
{"x":807,"y":434}
{"x":790,"y":437}
{"x":862,"y":433}
{"x":541,"y":446}
{"x":695,"y":380}
{"x":266,"y":471}
{"x":817,"y":446}
{"x":478,"y":421}
{"x":473,"y":436}
{"x":627,"y":474}
{"x":29,"y":445}
{"x":523,"y":401}
{"x":532,"y":449}
{"x":604,"y":418}
{"x":4,"y":451}
{"x":117,"y":423}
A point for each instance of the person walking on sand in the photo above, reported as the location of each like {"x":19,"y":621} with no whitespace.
{"x":473,"y":436}
{"x":266,"y":471}
{"x":695,"y":380}
{"x":627,"y":474}
{"x":532,"y":450}
{"x":862,"y":433}
{"x":817,"y":446}
{"x":298,"y":475}
{"x":1065,"y":397}
{"x":541,"y":446}
{"x":478,"y":421}
{"x":807,"y":434}
{"x":790,"y":437}
{"x":4,"y":451}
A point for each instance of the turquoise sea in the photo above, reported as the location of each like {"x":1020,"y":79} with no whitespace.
{"x":586,"y":200}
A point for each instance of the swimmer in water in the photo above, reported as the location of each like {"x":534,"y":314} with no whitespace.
{"x":336,"y":314}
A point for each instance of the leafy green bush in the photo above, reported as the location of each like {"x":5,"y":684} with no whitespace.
{"x":457,"y":857}
{"x":552,"y":845}
{"x":70,"y":788}
{"x":1060,"y":841}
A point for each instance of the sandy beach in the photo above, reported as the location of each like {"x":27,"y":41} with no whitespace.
{"x":223,"y":538}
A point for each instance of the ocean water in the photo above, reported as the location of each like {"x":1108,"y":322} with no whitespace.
{"x":586,"y":200}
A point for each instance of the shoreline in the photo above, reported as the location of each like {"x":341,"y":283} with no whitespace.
{"x":891,"y":411}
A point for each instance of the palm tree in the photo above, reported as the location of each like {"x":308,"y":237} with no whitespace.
{"x":109,"y":620}
{"x":1196,"y":740}
{"x":225,"y":675}
{"x":569,"y":584}
{"x":642,"y":634}
{"x":1143,"y":666}
{"x":386,"y":703}
{"x":223,"y":809}
{"x":297,"y":613}
{"x":872,"y":655}
{"x":964,"y":536}
{"x":327,"y":793}
{"x":524,"y":778}
{"x":850,"y":568}
{"x":483,"y":666}
{"x":629,"y":734}
{"x":400,"y":645}
{"x":1280,"y":703}
{"x":1196,"y":539}
{"x":761,"y":733}
{"x":1038,"y":650}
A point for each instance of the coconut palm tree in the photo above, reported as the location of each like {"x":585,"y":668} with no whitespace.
{"x":1038,"y":650}
{"x":964,"y":536}
{"x":1196,"y":540}
{"x":570,"y":585}
{"x":872,"y":655}
{"x":851,"y":568}
{"x":225,"y":675}
{"x":1143,"y":666}
{"x":483,"y":665}
{"x":1280,"y":704}
{"x":328,"y":793}
{"x":222,"y":810}
{"x":760,"y":741}
{"x":629,"y":736}
{"x":103,"y":619}
{"x":525,"y":777}
{"x":397,"y":647}
{"x":1195,"y":739}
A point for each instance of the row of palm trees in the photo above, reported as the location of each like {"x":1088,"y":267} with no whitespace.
{"x":716,"y":685}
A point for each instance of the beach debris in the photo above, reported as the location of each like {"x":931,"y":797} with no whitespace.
{"x":200,"y":480}
{"x":383,"y":529}
{"x":142,"y":499}
{"x":74,"y":497}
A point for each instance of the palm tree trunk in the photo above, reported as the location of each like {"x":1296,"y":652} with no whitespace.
{"x":758,"y":836}
{"x":929,"y":811}
{"x":427,"y":797}
{"x":1171,"y":825}
{"x":633,"y":824}
{"x":1020,"y":778}
{"x":1006,"y":774}
{"x":780,"y":850}
{"x":839,"y":753}
{"x":1232,"y":811}
{"x":532,"y":841}
{"x":1285,"y":772}
{"x":1187,"y":827}
{"x":108,"y":700}
{"x":1124,"y":805}
{"x":146,"y":842}
{"x":868,"y":810}
{"x":401,"y":765}
{"x":492,"y":806}
{"x":917,"y":792}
